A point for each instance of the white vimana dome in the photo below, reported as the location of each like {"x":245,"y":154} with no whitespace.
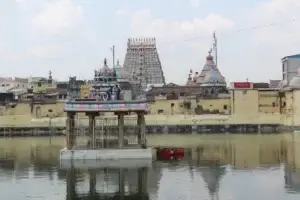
{"x":210,"y":73}
{"x":213,"y":78}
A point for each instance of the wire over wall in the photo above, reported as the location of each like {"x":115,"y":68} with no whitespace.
{"x":237,"y":30}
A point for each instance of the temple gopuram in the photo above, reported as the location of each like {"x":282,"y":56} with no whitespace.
{"x":110,"y":92}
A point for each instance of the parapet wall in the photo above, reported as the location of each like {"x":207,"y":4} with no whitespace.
{"x":244,"y":107}
{"x":27,"y":120}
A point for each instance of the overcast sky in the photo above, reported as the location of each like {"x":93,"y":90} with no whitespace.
{"x":73,"y":37}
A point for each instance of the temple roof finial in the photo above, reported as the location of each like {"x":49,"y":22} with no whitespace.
{"x":118,"y":62}
{"x":209,"y":57}
{"x":50,"y":74}
{"x":105,"y":61}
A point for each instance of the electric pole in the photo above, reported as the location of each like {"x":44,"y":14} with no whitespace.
{"x":215,"y":47}
{"x":113,"y":54}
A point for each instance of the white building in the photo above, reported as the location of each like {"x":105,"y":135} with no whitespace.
{"x":17,"y":86}
{"x":290,"y":66}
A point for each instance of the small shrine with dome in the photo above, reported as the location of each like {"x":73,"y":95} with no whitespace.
{"x":210,"y":78}
{"x":122,"y":74}
{"x":110,"y":92}
{"x":105,"y":85}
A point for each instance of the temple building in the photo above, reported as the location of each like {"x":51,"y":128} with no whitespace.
{"x":131,"y":83}
{"x":104,"y":83}
{"x":142,"y":60}
{"x":122,"y":74}
{"x":73,"y":88}
{"x":111,"y":83}
{"x":107,"y":95}
{"x":210,"y":78}
{"x":124,"y":81}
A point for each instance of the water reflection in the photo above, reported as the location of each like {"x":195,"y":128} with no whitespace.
{"x":125,"y":184}
{"x":238,"y":167}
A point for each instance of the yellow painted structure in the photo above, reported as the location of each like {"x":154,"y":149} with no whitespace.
{"x":39,"y":85}
{"x":35,"y":110}
{"x":177,"y":107}
{"x":241,"y":107}
{"x":222,"y":105}
{"x":164,"y":106}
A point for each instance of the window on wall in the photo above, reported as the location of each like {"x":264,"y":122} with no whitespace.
{"x":273,"y":104}
{"x":225,"y":107}
{"x":38,"y":112}
{"x":172,"y":105}
{"x":284,"y":104}
{"x":160,"y":111}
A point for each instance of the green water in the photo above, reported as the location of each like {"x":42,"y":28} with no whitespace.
{"x":223,"y":167}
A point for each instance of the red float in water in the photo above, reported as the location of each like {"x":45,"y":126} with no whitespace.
{"x":179,"y":152}
{"x":169,"y":153}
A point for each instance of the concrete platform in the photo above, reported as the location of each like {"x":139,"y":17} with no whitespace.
{"x":98,"y":164}
{"x":106,"y":158}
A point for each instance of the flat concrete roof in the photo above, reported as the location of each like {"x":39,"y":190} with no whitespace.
{"x":291,"y":56}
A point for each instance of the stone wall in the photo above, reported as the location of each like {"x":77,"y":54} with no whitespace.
{"x":33,"y":110}
{"x":243,"y":107}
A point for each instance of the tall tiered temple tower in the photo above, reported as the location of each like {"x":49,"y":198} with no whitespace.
{"x":142,"y":60}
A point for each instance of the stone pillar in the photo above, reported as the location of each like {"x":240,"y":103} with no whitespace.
{"x":121,"y":129}
{"x":71,"y":184}
{"x":92,"y":125}
{"x":105,"y":139}
{"x":142,"y":183}
{"x":142,"y":130}
{"x":121,"y":183}
{"x":139,"y":136}
{"x":71,"y":137}
{"x":92,"y":182}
